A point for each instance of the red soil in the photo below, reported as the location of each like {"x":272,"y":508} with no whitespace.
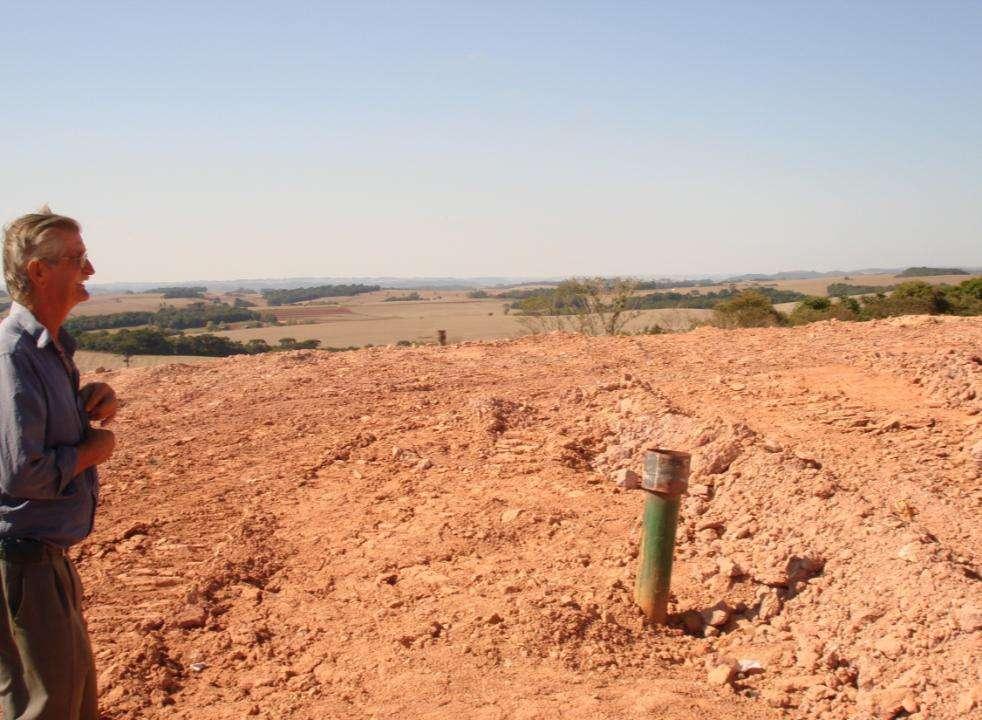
{"x":433,"y":533}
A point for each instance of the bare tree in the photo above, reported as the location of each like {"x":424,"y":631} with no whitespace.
{"x":592,"y":306}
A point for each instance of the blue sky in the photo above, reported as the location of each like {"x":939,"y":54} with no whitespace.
{"x":233,"y":140}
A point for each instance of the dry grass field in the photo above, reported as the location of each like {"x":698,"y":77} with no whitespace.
{"x":89,"y":361}
{"x":107,"y":303}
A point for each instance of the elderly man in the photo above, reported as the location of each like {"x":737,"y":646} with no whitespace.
{"x":48,"y":482}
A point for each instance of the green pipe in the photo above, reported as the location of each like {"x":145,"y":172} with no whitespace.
{"x":664,"y":481}
{"x":661,"y":514}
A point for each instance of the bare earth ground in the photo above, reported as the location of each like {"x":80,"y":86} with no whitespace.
{"x":432,"y":532}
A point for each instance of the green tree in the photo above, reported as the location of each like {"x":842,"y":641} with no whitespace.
{"x":748,"y":308}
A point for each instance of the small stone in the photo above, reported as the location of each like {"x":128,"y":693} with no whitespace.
{"x":771,"y":445}
{"x":969,"y":618}
{"x":424,"y":464}
{"x":192,"y":617}
{"x":809,"y":462}
{"x":911,"y":552}
{"x":692,"y":622}
{"x":702,"y":491}
{"x":711,"y":525}
{"x":749,"y":666}
{"x":819,"y":692}
{"x":150,"y":624}
{"x":728,"y":568}
{"x":626,"y":479}
{"x":891,"y":423}
{"x":969,"y":700}
{"x":495,"y":619}
{"x":717,"y":615}
{"x":889,"y":646}
{"x":889,"y":703}
{"x":197,"y":666}
{"x":910,"y":704}
{"x":776,"y":698}
{"x":771,"y":605}
{"x":721,"y":675}
{"x":976,"y":453}
{"x":510,"y":515}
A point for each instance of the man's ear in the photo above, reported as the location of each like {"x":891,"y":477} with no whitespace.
{"x":37,"y":271}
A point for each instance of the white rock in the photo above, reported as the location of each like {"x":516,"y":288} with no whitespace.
{"x":510,"y":515}
{"x":745,"y":665}
{"x":626,"y":479}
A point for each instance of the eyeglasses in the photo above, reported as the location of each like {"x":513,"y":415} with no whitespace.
{"x":80,"y":260}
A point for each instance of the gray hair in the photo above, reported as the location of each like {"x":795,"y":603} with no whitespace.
{"x":31,"y":237}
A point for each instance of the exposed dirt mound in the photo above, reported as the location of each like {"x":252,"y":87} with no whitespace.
{"x":434,"y":533}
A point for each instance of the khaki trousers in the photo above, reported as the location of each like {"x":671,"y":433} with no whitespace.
{"x":46,"y":666}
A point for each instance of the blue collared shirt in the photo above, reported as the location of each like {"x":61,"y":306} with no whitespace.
{"x":42,"y":419}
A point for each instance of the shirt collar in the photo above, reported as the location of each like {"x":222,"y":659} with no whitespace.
{"x":29,"y":324}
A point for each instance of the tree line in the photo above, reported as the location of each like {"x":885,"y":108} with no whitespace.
{"x":154,"y":341}
{"x":173,"y":292}
{"x":295,"y":295}
{"x":927,"y":271}
{"x":604,"y":306}
{"x":570,"y":298}
{"x":752,"y":309}
{"x":195,"y":315}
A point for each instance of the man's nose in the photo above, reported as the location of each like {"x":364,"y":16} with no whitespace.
{"x":88,"y":268}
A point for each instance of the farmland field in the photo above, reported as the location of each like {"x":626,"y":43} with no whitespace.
{"x":371,"y":319}
{"x":87,"y":360}
{"x":377,"y":322}
{"x":107,"y":303}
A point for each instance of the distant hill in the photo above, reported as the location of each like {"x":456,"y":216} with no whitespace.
{"x":926,"y":271}
{"x":789,"y":275}
{"x":651,"y":281}
{"x":389,"y":283}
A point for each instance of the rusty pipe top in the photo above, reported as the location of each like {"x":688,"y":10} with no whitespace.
{"x":666,"y":472}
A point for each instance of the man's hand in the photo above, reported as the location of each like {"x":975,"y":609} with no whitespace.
{"x":100,"y":402}
{"x":96,"y":448}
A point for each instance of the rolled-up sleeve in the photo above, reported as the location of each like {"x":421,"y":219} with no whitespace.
{"x":29,"y":469}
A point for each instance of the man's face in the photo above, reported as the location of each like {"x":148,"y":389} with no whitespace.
{"x":64,"y":284}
